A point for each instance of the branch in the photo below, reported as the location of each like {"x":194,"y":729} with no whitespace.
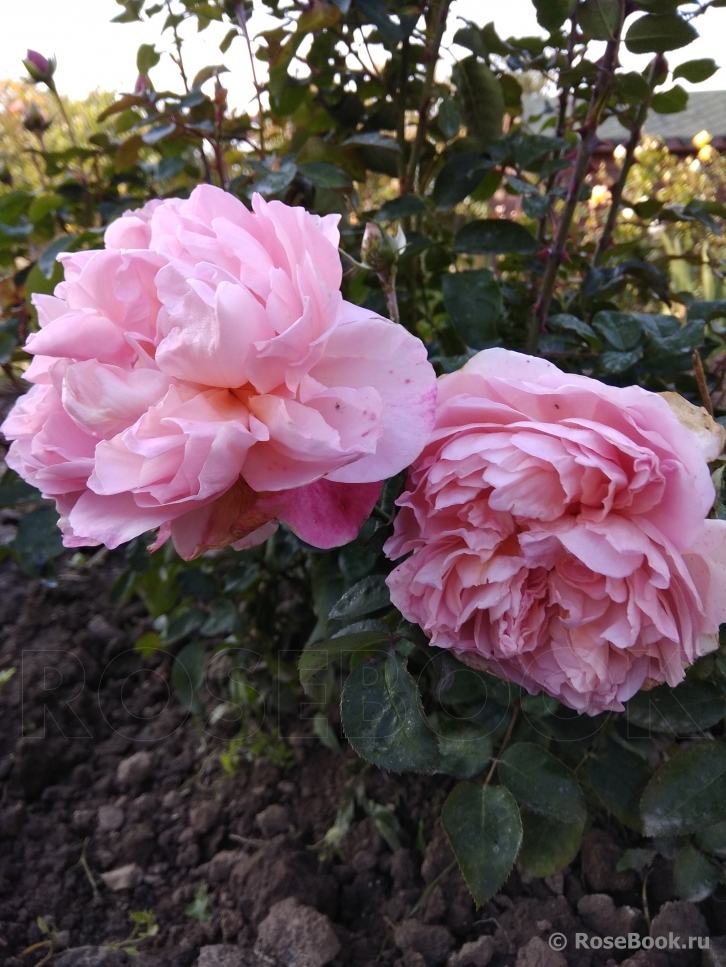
{"x":435,"y":33}
{"x":588,"y":140}
{"x":561,"y":118}
{"x":636,"y":133}
{"x":242,"y":21}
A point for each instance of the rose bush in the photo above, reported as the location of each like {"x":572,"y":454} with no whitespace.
{"x":557,"y":532}
{"x":204,"y":375}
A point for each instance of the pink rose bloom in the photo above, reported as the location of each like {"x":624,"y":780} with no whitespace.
{"x":203,"y":375}
{"x":557,"y":532}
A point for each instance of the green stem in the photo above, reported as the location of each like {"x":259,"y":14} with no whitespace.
{"x":505,"y":743}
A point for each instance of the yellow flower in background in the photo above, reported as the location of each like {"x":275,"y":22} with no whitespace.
{"x":706,"y":153}
{"x":619,"y":152}
{"x":702,"y":139}
{"x":600,"y":196}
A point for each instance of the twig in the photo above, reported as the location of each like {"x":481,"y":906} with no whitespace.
{"x":619,"y":187}
{"x":588,"y":137}
{"x":83,"y":862}
{"x":178,"y":60}
{"x":435,"y":33}
{"x":700,"y":375}
{"x":242,"y":21}
{"x":561,"y":119}
{"x":505,"y":743}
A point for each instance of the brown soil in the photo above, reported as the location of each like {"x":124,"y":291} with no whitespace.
{"x":75,"y":805}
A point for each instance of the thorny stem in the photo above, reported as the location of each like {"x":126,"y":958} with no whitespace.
{"x":242,"y":21}
{"x":702,"y":384}
{"x":178,"y":60}
{"x":619,"y":187}
{"x":505,"y":743}
{"x":588,"y":136}
{"x":435,"y":33}
{"x":561,"y":119}
{"x":401,"y":128}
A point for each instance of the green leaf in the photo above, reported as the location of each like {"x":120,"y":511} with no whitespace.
{"x":551,"y":14}
{"x":618,"y":777}
{"x":188,"y":673}
{"x":599,"y":19}
{"x":449,"y":118}
{"x":14,"y":491}
{"x":226,"y":42}
{"x":542,"y":783}
{"x":713,"y":840}
{"x":672,"y":101}
{"x":485,"y":831}
{"x":317,"y":657}
{"x":618,"y":328}
{"x":465,"y":748}
{"x":495,"y":236}
{"x":696,"y":71}
{"x":695,"y":876}
{"x":657,"y":33}
{"x":571,"y":323}
{"x":482,"y":99}
{"x":632,"y":86}
{"x":617,"y":362}
{"x":48,"y":259}
{"x":158,"y":134}
{"x":146,"y":58}
{"x":199,"y":908}
{"x":223,"y":619}
{"x":325,"y":175}
{"x":207,"y":73}
{"x":383,"y":717}
{"x":376,"y":13}
{"x":38,"y":539}
{"x":637,"y":858}
{"x":147,"y":645}
{"x":369,"y":595}
{"x":687,"y":793}
{"x":372,"y":139}
{"x":685,"y":710}
{"x":325,"y":732}
{"x":459,"y":178}
{"x":548,"y":845}
{"x":475,"y":303}
{"x":402,"y":207}
{"x":43,"y":205}
{"x":274,"y":175}
{"x":536,"y":206}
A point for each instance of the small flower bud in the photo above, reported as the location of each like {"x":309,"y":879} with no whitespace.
{"x":40,"y":68}
{"x":378,"y":250}
{"x":34,"y":120}
{"x":142,"y":84}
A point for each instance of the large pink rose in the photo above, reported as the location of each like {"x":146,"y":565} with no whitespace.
{"x":203,"y":375}
{"x":557,"y":532}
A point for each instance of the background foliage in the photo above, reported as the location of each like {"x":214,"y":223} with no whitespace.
{"x":491,"y":226}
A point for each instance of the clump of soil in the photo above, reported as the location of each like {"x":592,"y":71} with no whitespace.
{"x":114,"y":801}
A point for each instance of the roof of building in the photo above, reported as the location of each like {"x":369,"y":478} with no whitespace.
{"x":706,"y":110}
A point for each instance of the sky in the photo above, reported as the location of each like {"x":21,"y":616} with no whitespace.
{"x":94,"y":53}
